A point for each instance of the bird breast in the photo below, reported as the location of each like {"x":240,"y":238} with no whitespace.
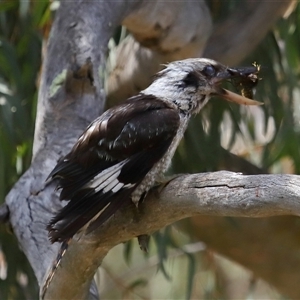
{"x":161,"y":166}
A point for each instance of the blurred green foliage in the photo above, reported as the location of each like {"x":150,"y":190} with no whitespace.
{"x":24,"y":24}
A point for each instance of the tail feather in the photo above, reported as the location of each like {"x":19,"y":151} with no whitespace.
{"x":82,"y":210}
{"x":67,"y":223}
{"x":120,"y":200}
{"x":61,"y":252}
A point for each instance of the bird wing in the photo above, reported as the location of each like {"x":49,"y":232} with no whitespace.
{"x":108,"y":162}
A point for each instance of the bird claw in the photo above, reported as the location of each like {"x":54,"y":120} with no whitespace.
{"x":144,"y":242}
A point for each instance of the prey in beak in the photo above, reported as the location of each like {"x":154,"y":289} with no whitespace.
{"x":244,"y":79}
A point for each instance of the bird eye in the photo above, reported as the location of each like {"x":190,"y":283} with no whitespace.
{"x":209,"y":71}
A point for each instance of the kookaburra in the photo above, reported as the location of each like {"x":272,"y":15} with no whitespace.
{"x":120,"y":155}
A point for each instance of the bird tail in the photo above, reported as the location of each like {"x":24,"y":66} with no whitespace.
{"x":63,"y":248}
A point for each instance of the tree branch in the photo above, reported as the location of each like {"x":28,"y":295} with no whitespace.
{"x":215,"y":194}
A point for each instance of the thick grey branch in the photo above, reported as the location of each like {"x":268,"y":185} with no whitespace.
{"x":216,"y":194}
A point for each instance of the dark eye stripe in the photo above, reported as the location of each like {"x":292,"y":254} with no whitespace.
{"x":191,"y":79}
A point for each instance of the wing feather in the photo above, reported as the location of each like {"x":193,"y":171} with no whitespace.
{"x":109,"y":161}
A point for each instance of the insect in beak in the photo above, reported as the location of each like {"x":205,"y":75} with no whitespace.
{"x":244,"y":79}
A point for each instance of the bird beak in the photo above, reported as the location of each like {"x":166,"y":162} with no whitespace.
{"x":231,"y":73}
{"x":233,"y":97}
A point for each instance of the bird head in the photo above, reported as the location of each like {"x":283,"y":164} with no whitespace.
{"x":188,"y":84}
